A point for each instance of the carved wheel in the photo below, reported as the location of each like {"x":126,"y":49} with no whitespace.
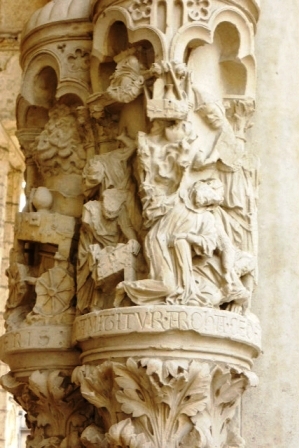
{"x":54,"y":292}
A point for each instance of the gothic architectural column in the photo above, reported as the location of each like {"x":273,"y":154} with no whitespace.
{"x":128,"y":321}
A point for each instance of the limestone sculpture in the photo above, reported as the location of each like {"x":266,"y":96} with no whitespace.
{"x":128,"y":322}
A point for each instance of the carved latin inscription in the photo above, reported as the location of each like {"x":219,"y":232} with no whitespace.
{"x":160,"y":319}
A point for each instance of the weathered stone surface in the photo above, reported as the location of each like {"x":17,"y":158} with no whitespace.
{"x":10,"y":77}
{"x":13,"y":15}
{"x":271,"y":416}
{"x":139,"y":233}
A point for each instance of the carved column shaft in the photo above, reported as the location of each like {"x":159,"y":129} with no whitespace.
{"x":134,"y":260}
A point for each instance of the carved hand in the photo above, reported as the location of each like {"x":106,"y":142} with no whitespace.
{"x":135,"y":247}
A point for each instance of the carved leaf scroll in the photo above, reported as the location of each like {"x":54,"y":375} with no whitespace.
{"x":160,"y":396}
{"x":227,"y":387}
{"x":98,"y":387}
{"x":56,"y":412}
{"x":123,"y":434}
{"x":153,"y":403}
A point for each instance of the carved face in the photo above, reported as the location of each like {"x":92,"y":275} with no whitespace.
{"x":176,"y":132}
{"x":213,"y":116}
{"x":97,"y":112}
{"x":43,"y":141}
{"x":206,"y":193}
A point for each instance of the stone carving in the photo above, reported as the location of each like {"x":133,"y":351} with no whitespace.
{"x":56,"y":412}
{"x":127,"y":80}
{"x":164,"y":156}
{"x":239,"y":113}
{"x":41,"y":273}
{"x":59,"y":149}
{"x":137,"y":246}
{"x":164,"y":403}
{"x":169,"y":243}
{"x":199,"y":9}
{"x":108,"y":223}
{"x":109,"y":170}
{"x":54,"y":292}
{"x":105,"y":225}
{"x":80,"y":60}
{"x":86,"y":130}
{"x":238,"y":211}
{"x":168,"y":97}
{"x":140,"y":9}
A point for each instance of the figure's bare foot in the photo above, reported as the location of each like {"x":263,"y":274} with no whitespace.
{"x":235,"y":308}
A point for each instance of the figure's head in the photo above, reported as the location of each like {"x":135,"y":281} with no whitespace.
{"x":96,"y":111}
{"x":131,"y":63}
{"x":113,"y":200}
{"x":94,"y":171}
{"x":205,"y":193}
{"x":180,"y":69}
{"x":179,"y":130}
{"x":158,"y":127}
{"x":213,"y":114}
{"x":82,"y":114}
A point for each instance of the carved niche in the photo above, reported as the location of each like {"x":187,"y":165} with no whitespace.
{"x":135,"y":258}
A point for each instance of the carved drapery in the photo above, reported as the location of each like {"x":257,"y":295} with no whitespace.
{"x":128,"y":321}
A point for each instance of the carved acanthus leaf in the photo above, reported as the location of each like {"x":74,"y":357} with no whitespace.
{"x":163,"y":393}
{"x":53,"y":405}
{"x":187,"y":392}
{"x":123,"y":434}
{"x":215,"y":424}
{"x":98,"y":387}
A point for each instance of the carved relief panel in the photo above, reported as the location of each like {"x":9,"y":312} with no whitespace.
{"x":138,"y":242}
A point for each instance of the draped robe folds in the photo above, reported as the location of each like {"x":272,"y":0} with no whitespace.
{"x":169,"y":255}
{"x":238,"y":210}
{"x":111,"y":170}
{"x":103,"y":232}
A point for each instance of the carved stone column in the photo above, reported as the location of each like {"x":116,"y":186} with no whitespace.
{"x":134,"y":262}
{"x":41,"y":307}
